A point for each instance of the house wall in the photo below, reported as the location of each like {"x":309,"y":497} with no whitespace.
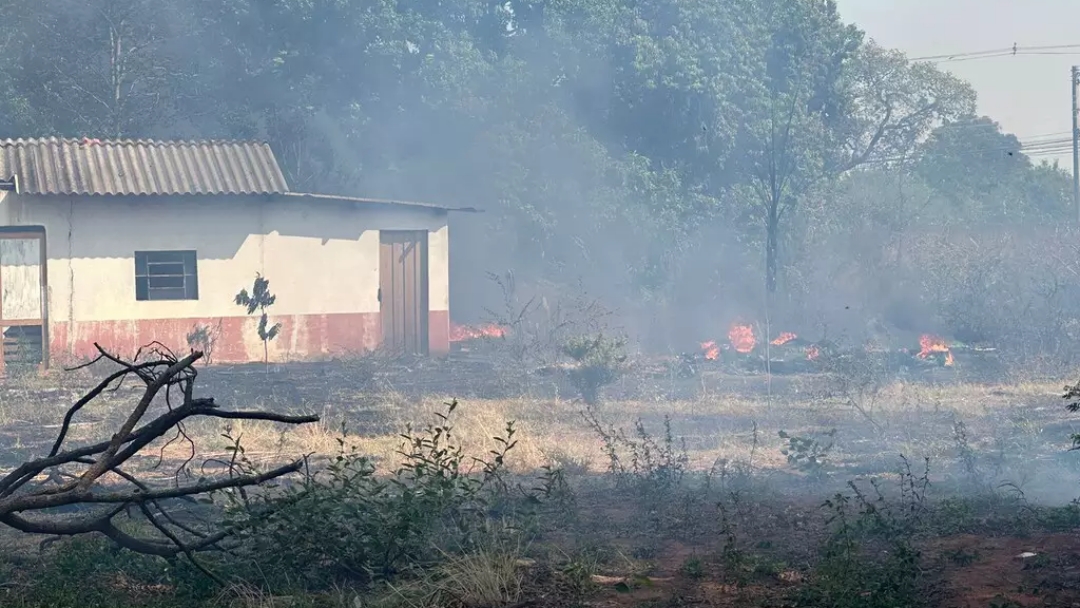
{"x":321,"y":258}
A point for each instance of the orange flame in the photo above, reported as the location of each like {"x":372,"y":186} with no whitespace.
{"x":784,"y":338}
{"x":742,"y":337}
{"x":812,"y":352}
{"x":462,"y":333}
{"x":931,"y":344}
{"x":711,"y":350}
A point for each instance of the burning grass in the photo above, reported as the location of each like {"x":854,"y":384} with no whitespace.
{"x":465,"y":333}
{"x":743,"y":347}
{"x":653,"y":532}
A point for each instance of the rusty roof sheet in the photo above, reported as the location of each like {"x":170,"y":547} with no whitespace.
{"x":140,"y":167}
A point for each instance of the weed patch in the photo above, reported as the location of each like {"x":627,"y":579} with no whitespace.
{"x":351,"y":522}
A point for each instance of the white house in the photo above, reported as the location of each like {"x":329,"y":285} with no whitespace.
{"x":125,"y":243}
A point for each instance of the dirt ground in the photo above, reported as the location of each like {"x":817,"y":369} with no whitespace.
{"x":1039,"y":570}
{"x":996,"y":577}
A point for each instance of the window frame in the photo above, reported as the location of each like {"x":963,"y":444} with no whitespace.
{"x":176,"y":273}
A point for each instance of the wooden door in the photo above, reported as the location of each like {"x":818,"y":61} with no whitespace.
{"x":403,"y":290}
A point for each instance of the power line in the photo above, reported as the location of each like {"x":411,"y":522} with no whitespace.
{"x":959,"y":55}
{"x":1036,"y":149}
{"x":999,"y":51}
{"x":1043,"y":145}
{"x":1057,"y":134}
{"x":1003,"y":55}
{"x":1055,"y":49}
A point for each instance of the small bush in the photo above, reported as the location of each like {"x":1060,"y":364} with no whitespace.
{"x":202,"y":338}
{"x":692,"y":568}
{"x":599,"y":361}
{"x":870,"y":559}
{"x":808,"y":454}
{"x":652,"y":468}
{"x":352,"y":522}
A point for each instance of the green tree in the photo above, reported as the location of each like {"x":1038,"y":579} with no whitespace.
{"x":786,"y":141}
{"x":867,"y":106}
{"x":101,"y":68}
{"x":986,"y":176}
{"x":890,"y":106}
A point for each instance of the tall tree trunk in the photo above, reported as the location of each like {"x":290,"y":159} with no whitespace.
{"x":772,"y":237}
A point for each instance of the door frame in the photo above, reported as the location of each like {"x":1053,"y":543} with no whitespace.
{"x":423,"y":330}
{"x":14,"y":233}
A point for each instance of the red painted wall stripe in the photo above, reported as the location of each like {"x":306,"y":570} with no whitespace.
{"x":234,"y":338}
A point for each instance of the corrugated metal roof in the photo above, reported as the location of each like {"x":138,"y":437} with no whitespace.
{"x":140,"y":167}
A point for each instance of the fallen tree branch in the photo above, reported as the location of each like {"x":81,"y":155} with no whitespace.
{"x":29,"y":508}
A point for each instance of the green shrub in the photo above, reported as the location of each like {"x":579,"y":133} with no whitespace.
{"x":805,"y":453}
{"x":352,"y":522}
{"x":652,"y":469}
{"x":599,"y":361}
{"x":870,"y":559}
{"x":92,"y":572}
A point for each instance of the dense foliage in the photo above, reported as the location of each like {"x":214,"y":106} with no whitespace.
{"x":686,"y":158}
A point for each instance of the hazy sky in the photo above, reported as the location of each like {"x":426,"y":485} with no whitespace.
{"x":1029,"y":95}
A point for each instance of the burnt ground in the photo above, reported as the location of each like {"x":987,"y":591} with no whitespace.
{"x":768,"y":553}
{"x":1000,"y":447}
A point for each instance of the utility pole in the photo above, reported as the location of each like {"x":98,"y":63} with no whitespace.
{"x":1076,"y":138}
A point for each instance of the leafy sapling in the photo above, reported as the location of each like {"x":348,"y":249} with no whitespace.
{"x":259,"y":300}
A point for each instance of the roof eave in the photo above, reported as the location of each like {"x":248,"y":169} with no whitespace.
{"x":381,"y":202}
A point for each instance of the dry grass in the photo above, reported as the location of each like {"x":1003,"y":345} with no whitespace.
{"x":242,"y":596}
{"x":486,"y":577}
{"x":490,"y":576}
{"x":914,"y":419}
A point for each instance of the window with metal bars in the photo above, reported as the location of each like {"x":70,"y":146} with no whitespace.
{"x":166,"y":275}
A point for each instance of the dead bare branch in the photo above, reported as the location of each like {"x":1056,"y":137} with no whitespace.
{"x":28,"y":508}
